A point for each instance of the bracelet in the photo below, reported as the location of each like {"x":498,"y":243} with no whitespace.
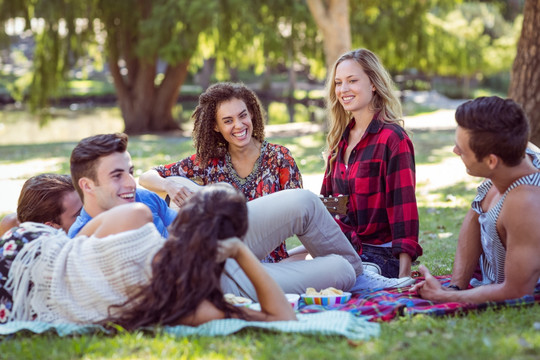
{"x":455,"y":287}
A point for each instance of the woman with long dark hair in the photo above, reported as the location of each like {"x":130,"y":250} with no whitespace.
{"x":117,"y":270}
{"x":186,"y":271}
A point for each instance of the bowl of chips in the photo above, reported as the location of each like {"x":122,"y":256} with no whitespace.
{"x":328,"y":296}
{"x":237,"y":300}
{"x":293,"y":300}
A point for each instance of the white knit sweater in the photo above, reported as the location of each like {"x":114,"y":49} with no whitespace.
{"x":76,"y":280}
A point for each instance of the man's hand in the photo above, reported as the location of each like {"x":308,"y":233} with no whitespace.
{"x":430,"y":288}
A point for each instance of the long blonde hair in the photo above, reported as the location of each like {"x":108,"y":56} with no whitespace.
{"x":385,"y":103}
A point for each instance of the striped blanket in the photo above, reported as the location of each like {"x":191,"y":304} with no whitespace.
{"x":386,"y":305}
{"x":324,"y":323}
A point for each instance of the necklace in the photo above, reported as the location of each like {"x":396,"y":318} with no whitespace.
{"x":239,"y":181}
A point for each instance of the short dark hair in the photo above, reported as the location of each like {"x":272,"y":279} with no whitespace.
{"x":209,"y":143}
{"x":41,"y":198}
{"x":88,"y":151}
{"x":497,"y":126}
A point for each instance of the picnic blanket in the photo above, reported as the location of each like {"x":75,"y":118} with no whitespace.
{"x":385,"y":305}
{"x":323,"y":323}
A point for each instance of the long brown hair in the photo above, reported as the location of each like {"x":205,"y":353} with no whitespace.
{"x":385,"y":103}
{"x":184,"y":270}
{"x":210,"y":143}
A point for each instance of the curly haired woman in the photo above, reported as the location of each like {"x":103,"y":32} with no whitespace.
{"x":228,"y":136}
{"x":371,"y":159}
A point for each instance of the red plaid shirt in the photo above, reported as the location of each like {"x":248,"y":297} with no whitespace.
{"x":380,"y":182}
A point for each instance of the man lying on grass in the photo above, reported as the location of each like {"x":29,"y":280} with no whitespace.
{"x":501,"y":230}
{"x":49,"y":199}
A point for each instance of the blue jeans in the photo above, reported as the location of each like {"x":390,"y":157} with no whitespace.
{"x":383,"y":257}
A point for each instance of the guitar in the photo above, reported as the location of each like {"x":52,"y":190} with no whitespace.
{"x":336,"y":205}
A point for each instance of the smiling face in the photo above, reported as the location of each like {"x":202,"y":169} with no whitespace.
{"x":114,"y":184}
{"x":233,"y":121}
{"x":464,"y":151}
{"x":353,"y":87}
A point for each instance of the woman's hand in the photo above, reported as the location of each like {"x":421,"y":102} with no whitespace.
{"x":274,"y":305}
{"x":228,"y":248}
{"x":179,"y":194}
{"x":405,"y":262}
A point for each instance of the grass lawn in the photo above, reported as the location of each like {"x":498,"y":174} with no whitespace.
{"x":503,"y":334}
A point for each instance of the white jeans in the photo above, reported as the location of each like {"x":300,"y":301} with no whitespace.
{"x":275,"y":217}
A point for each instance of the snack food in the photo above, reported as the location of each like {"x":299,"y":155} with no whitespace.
{"x":327,"y":297}
{"x":329,"y":291}
{"x":236,"y":300}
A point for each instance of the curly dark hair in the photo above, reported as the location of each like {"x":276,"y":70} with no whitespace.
{"x":184,"y":270}
{"x":497,"y":126}
{"x":210,"y":143}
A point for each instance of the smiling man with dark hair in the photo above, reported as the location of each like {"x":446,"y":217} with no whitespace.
{"x":501,"y":230}
{"x":102,"y":173}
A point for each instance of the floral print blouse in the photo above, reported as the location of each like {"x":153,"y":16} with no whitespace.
{"x":10,"y":245}
{"x":274,"y":170}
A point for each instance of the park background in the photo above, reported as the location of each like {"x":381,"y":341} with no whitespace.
{"x":72,"y":68}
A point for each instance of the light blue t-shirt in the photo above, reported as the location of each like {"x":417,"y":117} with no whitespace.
{"x":162,"y":214}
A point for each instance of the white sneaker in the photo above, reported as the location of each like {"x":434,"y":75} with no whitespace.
{"x":369,"y":266}
{"x":370,"y":280}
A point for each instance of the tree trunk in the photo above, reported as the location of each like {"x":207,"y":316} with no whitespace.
{"x":466,"y":88}
{"x":292,"y":86}
{"x":205,"y":76}
{"x":332,"y":19}
{"x":525,"y":83}
{"x":167,"y":96}
{"x":146,"y":107}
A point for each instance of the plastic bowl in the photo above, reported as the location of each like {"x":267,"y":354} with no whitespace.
{"x":326,"y":299}
{"x":293,"y":300}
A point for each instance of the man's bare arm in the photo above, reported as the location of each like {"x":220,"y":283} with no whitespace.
{"x":518,"y":224}
{"x":468,"y":251}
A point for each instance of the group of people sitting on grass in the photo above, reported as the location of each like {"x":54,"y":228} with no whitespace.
{"x":95,"y":248}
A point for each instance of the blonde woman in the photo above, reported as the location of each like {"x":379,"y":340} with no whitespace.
{"x":371,"y":159}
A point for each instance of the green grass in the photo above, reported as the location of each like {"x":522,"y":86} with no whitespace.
{"x":411,"y":108}
{"x":475,"y":336}
{"x":502,"y":334}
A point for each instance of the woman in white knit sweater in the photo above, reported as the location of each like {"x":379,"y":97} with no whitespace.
{"x":120,"y":271}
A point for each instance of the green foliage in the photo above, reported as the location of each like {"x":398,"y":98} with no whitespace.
{"x":172,"y":30}
{"x":436,"y":37}
{"x":256,"y":35}
{"x":442,"y":37}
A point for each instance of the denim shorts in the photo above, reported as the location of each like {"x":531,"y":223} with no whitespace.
{"x":383,"y":257}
